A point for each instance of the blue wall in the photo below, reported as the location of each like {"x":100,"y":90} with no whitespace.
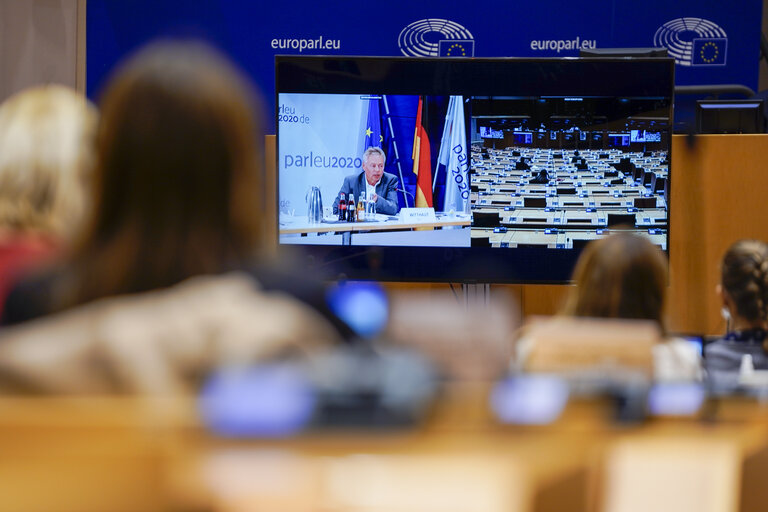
{"x":714,"y":42}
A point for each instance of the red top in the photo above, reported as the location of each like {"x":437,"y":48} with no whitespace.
{"x":20,"y":254}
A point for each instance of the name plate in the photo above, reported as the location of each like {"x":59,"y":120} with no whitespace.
{"x":417,"y":215}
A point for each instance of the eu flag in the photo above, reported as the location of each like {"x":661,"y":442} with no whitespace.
{"x":456,"y":48}
{"x":709,"y":51}
{"x":373,"y":125}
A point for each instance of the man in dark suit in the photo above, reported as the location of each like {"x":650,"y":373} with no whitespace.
{"x":374,"y":182}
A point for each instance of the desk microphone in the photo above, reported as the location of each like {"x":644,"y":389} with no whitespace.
{"x":404,"y":192}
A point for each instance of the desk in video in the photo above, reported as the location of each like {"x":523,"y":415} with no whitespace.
{"x":444,"y":231}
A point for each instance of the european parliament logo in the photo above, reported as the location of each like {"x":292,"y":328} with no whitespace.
{"x":693,"y":42}
{"x":436,"y":37}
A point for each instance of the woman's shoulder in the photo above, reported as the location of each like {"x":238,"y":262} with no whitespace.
{"x":231,"y":309}
{"x":721,"y":347}
{"x":728,"y":351}
{"x":163,"y":340}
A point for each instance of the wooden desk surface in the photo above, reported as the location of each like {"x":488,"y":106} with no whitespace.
{"x":120,"y":454}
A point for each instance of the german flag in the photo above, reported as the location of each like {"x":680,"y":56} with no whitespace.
{"x":422,"y":162}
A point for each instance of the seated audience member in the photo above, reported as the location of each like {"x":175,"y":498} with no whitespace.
{"x":46,"y":154}
{"x":624,"y":276}
{"x":150,"y":300}
{"x":541,"y":178}
{"x":743,"y":290}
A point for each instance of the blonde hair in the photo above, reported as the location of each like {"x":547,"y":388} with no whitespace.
{"x":46,"y":155}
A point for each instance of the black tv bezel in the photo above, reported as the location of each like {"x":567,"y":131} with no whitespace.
{"x":756,"y":108}
{"x":630,"y":77}
{"x":656,"y":52}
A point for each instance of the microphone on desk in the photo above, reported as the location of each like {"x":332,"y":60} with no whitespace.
{"x":406,"y":192}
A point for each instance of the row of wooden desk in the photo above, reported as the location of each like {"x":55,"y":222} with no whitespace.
{"x":600,"y":196}
{"x":597,"y":172}
{"x":122,"y":454}
{"x":558,"y":186}
{"x":552,"y":158}
{"x":572,"y":217}
{"x":549,"y":238}
{"x":602,"y":201}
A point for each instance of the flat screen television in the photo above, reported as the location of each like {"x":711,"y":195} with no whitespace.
{"x":487,"y":132}
{"x":580,"y":148}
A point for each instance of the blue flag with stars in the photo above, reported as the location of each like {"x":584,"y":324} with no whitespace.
{"x":456,"y":48}
{"x":710,"y":51}
{"x":373,"y":125}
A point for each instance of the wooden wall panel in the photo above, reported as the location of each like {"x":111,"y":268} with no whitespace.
{"x":719,"y":196}
{"x":538,"y":299}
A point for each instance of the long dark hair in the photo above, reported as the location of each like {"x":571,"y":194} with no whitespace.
{"x":179,"y":175}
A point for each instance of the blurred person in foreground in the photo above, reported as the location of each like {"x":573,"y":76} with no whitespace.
{"x":149,"y":301}
{"x":624,"y":276}
{"x":46,"y":158}
{"x":743,"y":290}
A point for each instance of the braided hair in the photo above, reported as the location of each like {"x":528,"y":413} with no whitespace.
{"x":745,"y":278}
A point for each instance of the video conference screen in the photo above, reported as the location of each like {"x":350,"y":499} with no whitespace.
{"x":481,"y":170}
{"x":487,"y":132}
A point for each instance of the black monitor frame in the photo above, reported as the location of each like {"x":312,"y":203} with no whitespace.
{"x":730,"y":116}
{"x":655,"y":52}
{"x":617,"y":77}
